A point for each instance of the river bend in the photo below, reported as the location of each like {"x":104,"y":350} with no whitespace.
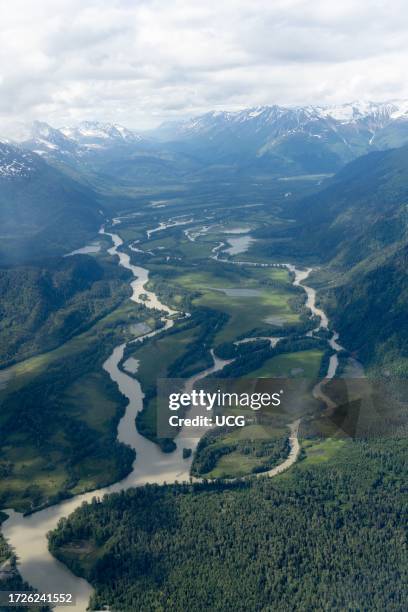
{"x":28,"y":534}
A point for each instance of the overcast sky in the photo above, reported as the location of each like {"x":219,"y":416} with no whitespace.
{"x":138,"y":62}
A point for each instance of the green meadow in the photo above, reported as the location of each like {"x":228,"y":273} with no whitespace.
{"x":80,"y":393}
{"x":303,"y":364}
{"x":184,"y":275}
{"x":266,"y":305}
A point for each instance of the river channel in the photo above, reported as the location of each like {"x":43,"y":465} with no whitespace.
{"x":28,"y":534}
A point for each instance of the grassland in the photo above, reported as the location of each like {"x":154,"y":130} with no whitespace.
{"x":321,"y":451}
{"x":195,"y":281}
{"x":118,"y":321}
{"x":69,"y":406}
{"x":267,"y":305}
{"x":303,"y":364}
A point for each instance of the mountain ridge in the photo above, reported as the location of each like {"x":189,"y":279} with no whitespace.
{"x":262,"y":140}
{"x":358,"y":226}
{"x":43,"y":211}
{"x":350,"y":112}
{"x":292,"y":140}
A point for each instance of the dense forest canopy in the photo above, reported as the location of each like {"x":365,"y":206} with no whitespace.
{"x":331,"y":535}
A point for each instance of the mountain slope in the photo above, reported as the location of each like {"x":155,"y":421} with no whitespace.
{"x":272,"y":141}
{"x":94,"y":133}
{"x":107,"y":156}
{"x":362,"y":212}
{"x":309,"y":139}
{"x":42,"y":210}
{"x":43,"y":305}
{"x":358,"y":224}
{"x":370,"y":313}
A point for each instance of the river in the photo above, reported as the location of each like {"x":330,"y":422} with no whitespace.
{"x":28,"y":534}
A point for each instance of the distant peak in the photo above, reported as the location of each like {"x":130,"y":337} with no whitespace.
{"x":96,"y":130}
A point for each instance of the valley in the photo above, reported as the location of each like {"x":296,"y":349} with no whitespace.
{"x":245,"y":279}
{"x":203,"y":306}
{"x":28,"y":534}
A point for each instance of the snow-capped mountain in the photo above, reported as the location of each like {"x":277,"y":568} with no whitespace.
{"x":103,"y":153}
{"x":263,"y":140}
{"x":76,"y":145}
{"x":93,"y":133}
{"x":353,"y":113}
{"x":49,"y":142}
{"x":276,"y":139}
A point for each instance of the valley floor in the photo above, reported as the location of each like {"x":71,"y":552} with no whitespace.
{"x":254,"y":319}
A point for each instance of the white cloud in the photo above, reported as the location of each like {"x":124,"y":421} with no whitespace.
{"x":139,"y":62}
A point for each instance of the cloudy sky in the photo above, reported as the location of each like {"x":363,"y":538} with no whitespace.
{"x":139,"y":62}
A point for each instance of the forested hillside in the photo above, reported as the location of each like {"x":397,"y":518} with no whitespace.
{"x":370,"y":312}
{"x":357,"y":225}
{"x":362,"y":211}
{"x":328,"y":536}
{"x":43,"y":305}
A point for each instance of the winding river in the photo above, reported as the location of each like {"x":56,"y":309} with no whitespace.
{"x":28,"y":534}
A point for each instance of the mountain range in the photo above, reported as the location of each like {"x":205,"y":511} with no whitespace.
{"x":106,"y":154}
{"x":356,"y":221}
{"x":272,"y":140}
{"x":73,"y":143}
{"x":276,"y":139}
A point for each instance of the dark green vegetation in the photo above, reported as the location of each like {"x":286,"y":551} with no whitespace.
{"x":59,"y":418}
{"x":45,"y":304}
{"x":371,"y":314}
{"x":363,"y":216}
{"x":358,"y":225}
{"x":59,"y":409}
{"x":178,"y":353}
{"x":226,"y":302}
{"x":60,"y":320}
{"x":329,"y":534}
{"x":238,"y":452}
{"x":361,"y":213}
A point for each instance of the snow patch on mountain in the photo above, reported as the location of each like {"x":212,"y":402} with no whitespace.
{"x":91,"y":131}
{"x":358,"y":112}
{"x":401,"y":111}
{"x":15,"y":163}
{"x":73,"y":145}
